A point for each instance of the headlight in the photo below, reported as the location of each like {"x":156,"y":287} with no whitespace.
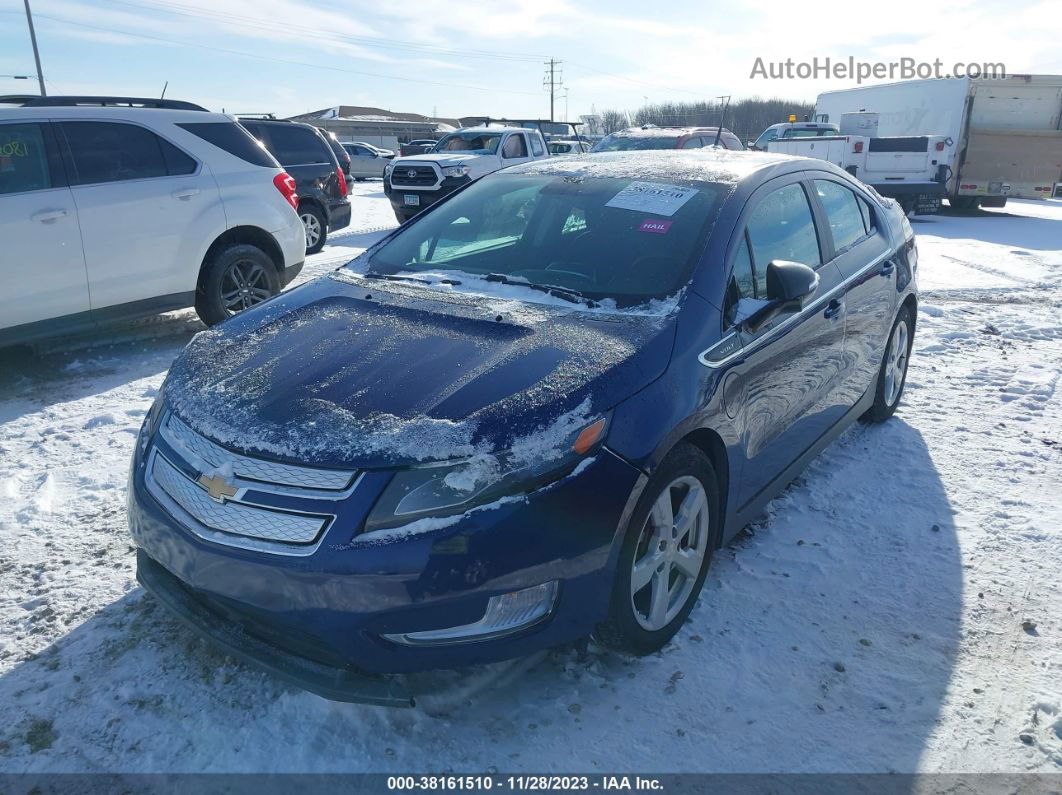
{"x":151,"y":421}
{"x":389,"y":167}
{"x":451,"y":487}
{"x":456,"y":171}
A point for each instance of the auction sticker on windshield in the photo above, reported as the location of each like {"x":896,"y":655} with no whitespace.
{"x":652,"y":197}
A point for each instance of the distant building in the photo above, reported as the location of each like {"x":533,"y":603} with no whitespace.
{"x":377,"y":126}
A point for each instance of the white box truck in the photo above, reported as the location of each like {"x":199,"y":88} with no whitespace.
{"x":1006,"y":134}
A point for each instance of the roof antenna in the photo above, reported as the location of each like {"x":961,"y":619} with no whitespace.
{"x":722,"y":118}
{"x":163,"y":95}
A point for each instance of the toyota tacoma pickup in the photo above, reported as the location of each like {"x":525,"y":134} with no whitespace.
{"x":418,"y":181}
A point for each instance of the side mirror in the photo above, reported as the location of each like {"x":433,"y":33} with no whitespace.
{"x":789,"y":285}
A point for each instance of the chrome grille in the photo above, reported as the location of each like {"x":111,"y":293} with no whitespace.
{"x":418,"y":176}
{"x":233,"y":517}
{"x":180,"y":436}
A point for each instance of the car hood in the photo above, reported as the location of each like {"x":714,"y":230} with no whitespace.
{"x":348,"y":372}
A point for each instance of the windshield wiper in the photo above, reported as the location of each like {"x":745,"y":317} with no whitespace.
{"x":565,"y":293}
{"x":394,"y":277}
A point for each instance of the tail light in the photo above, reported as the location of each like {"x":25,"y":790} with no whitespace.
{"x":285,"y":183}
{"x":342,"y":180}
{"x":857,"y":147}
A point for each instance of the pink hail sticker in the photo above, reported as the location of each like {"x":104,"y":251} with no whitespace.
{"x":656,"y":227}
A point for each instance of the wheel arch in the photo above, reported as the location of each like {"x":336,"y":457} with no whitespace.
{"x":911,"y":303}
{"x":711,"y":444}
{"x":250,"y":235}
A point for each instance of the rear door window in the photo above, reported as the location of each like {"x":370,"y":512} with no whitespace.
{"x":536,"y":145}
{"x":782,"y":227}
{"x":842,"y":212}
{"x":115,"y":152}
{"x":514,"y":146}
{"x":297,"y":146}
{"x":23,"y":159}
{"x":234,"y":139}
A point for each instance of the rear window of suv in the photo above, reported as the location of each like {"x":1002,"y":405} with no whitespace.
{"x":234,"y":139}
{"x":291,"y":144}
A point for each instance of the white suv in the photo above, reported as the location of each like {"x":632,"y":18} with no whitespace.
{"x":118,"y":207}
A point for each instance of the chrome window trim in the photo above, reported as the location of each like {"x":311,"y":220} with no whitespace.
{"x":814,"y":306}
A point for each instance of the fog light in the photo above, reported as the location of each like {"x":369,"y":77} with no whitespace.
{"x":505,"y":614}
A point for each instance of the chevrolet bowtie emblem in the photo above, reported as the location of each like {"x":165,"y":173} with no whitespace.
{"x":217,"y":487}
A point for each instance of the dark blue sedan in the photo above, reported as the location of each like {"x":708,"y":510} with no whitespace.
{"x":527,"y":417}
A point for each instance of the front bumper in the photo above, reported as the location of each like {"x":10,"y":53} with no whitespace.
{"x":427,"y":197}
{"x":339,"y":215}
{"x":333,"y":607}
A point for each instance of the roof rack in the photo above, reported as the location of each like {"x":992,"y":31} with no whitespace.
{"x":131,"y":102}
{"x":259,"y":116}
{"x":17,"y":99}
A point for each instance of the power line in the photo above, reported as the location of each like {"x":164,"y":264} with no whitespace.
{"x":367,"y":41}
{"x":170,"y":40}
{"x":656,"y":86}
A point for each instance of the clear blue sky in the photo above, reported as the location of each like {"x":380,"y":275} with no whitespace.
{"x":289,"y":56}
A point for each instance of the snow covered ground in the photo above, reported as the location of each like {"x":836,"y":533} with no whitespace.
{"x":898,"y":608}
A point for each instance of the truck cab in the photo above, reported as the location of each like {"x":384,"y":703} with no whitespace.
{"x":792,"y":129}
{"x":418,"y":181}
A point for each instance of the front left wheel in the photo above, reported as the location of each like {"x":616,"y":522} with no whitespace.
{"x":665,"y":554}
{"x":233,"y":279}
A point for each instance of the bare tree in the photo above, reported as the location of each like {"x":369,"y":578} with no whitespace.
{"x":612,"y":120}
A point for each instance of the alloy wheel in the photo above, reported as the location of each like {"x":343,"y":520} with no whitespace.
{"x":312,"y":226}
{"x":896,"y":362}
{"x":670,"y":553}
{"x":244,"y":284}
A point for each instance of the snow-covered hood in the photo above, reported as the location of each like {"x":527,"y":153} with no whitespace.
{"x":328,"y":375}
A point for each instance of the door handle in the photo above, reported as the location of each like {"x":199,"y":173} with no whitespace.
{"x":47,"y":216}
{"x":833,"y":309}
{"x":184,"y":194}
{"x":888,"y":268}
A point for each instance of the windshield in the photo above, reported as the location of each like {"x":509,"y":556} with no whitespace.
{"x":624,"y":143}
{"x":469,"y":142}
{"x":597,"y":238}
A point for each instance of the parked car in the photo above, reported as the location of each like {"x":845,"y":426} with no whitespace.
{"x":531,"y":415}
{"x":417,"y":147}
{"x":366,"y":162}
{"x":414,"y":183}
{"x":342,"y":155}
{"x":320,"y":183}
{"x":563,"y":147}
{"x":116,"y":207}
{"x":381,"y":150}
{"x":653,"y":137}
{"x":792,"y":129}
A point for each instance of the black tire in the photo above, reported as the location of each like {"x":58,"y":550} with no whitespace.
{"x":624,"y":630}
{"x":313,"y":222}
{"x":226,"y":274}
{"x":885,"y":403}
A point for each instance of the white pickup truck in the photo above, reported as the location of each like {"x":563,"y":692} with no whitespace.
{"x":418,"y":181}
{"x":910,"y":169}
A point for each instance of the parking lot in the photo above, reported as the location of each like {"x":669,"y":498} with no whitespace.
{"x":896,"y":609}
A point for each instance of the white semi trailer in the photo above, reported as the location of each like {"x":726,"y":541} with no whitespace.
{"x":1005,"y":134}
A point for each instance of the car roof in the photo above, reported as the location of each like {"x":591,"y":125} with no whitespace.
{"x":118,"y":113}
{"x":483,"y":129}
{"x":691,"y":165}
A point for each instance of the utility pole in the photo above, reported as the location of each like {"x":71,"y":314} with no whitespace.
{"x":552,"y":80}
{"x":36,"y":54}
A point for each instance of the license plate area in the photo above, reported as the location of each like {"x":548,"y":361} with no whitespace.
{"x":411,"y":200}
